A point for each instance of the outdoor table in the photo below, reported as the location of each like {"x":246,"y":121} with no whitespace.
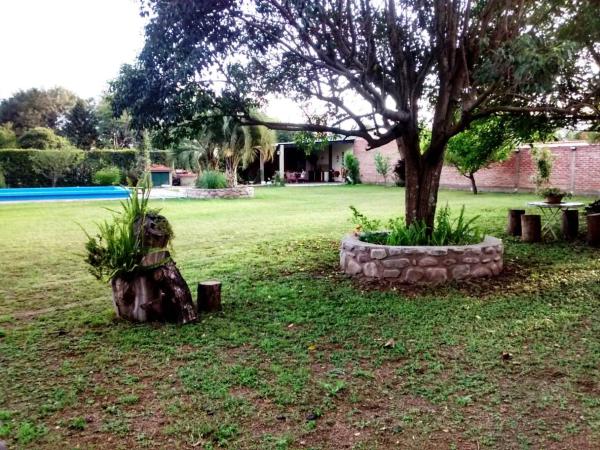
{"x":551,"y":214}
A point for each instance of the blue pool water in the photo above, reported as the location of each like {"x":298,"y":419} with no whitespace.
{"x":63,"y":193}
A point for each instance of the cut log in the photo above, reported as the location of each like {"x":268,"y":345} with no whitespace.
{"x":513,"y":227}
{"x":157,"y":294}
{"x":209,"y":296}
{"x":570,"y":224}
{"x":593,"y":229}
{"x":531,"y":228}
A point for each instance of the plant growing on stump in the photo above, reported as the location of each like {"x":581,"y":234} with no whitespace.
{"x":375,"y":67}
{"x":131,"y":253}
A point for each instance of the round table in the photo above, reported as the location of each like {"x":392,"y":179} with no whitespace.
{"x":551,"y":214}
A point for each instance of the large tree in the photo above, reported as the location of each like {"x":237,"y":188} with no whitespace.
{"x":81,"y":125}
{"x":375,"y":66}
{"x":37,"y":108}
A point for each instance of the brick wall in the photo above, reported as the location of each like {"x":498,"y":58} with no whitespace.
{"x":366,"y":158}
{"x":576,"y":169}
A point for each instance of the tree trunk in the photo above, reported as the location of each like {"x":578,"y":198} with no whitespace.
{"x":209,"y":296}
{"x":473,"y":185}
{"x":513,"y":227}
{"x":160,"y":294}
{"x":422,"y":185}
{"x":570,"y":224}
{"x":593,"y":229}
{"x":531,"y":228}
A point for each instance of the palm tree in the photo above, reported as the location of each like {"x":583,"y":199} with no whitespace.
{"x":241,"y":145}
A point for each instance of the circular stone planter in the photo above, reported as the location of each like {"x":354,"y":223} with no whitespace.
{"x":236,"y":192}
{"x":421,"y":264}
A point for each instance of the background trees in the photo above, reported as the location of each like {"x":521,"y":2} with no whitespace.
{"x":81,"y":125}
{"x":37,"y":108}
{"x":375,"y":67}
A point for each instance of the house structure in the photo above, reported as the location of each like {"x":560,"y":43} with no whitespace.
{"x":324,"y":166}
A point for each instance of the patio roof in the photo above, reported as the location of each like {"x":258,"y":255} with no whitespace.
{"x":346,"y":140}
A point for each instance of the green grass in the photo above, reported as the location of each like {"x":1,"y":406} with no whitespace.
{"x":297,"y":358}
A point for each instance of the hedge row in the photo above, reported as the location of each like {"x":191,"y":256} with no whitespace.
{"x":18,"y":171}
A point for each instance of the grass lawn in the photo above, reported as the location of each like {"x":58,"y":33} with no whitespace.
{"x":297,"y":358}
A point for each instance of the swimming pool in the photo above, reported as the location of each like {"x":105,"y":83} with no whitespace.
{"x":63,"y":193}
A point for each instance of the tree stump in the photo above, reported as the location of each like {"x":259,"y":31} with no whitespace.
{"x":593,"y":229}
{"x":513,"y":227}
{"x":158,"y":294}
{"x":156,"y":291}
{"x":570,"y":224}
{"x":531,"y":228}
{"x":209,"y":296}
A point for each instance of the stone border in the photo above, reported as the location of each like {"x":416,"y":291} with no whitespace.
{"x":421,"y":264}
{"x":236,"y":192}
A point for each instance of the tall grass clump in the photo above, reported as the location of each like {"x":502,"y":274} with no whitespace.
{"x":211,"y":179}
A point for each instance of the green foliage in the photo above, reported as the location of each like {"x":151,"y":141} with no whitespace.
{"x":2,"y":178}
{"x":382,"y":165}
{"x":36,"y":108}
{"x":486,"y":141}
{"x":211,"y":179}
{"x":19,"y":172}
{"x":109,"y":176}
{"x":460,"y":231}
{"x":55,"y":164}
{"x":554,"y":192}
{"x":117,"y":249}
{"x":8,"y":138}
{"x":352,"y":167}
{"x":544,"y":161}
{"x":81,"y":126}
{"x":278,"y":179}
{"x":311,"y":143}
{"x":42,"y":138}
{"x":114,"y":132}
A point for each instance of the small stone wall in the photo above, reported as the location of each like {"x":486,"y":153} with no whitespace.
{"x":420,"y":264}
{"x":236,"y":192}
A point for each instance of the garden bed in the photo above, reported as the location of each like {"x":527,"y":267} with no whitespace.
{"x":236,"y":192}
{"x":421,"y":264}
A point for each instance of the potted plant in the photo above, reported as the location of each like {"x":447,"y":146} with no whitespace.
{"x":554,"y":195}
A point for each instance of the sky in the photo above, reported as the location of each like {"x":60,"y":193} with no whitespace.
{"x":79,"y":45}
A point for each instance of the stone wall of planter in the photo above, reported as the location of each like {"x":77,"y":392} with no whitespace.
{"x":236,"y":192}
{"x":421,"y":264}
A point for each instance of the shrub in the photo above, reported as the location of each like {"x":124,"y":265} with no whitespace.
{"x":109,"y":176}
{"x":2,"y":179}
{"x":55,"y":164}
{"x":459,"y":231}
{"x":8,"y":138}
{"x":42,"y":138}
{"x":278,"y":180}
{"x":211,"y":179}
{"x":382,"y":166}
{"x":352,"y":167}
{"x":19,"y":172}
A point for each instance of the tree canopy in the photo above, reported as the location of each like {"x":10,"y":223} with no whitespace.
{"x":376,"y":67}
{"x":37,"y":108}
{"x":81,"y":125}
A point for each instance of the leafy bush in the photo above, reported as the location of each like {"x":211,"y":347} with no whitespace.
{"x":211,"y":179}
{"x":109,"y":176}
{"x":19,"y":172}
{"x":278,"y":180}
{"x":55,"y":164}
{"x":382,"y":165}
{"x":460,"y":231}
{"x":42,"y":138}
{"x":2,"y":179}
{"x":8,"y":138}
{"x":352,"y":167}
